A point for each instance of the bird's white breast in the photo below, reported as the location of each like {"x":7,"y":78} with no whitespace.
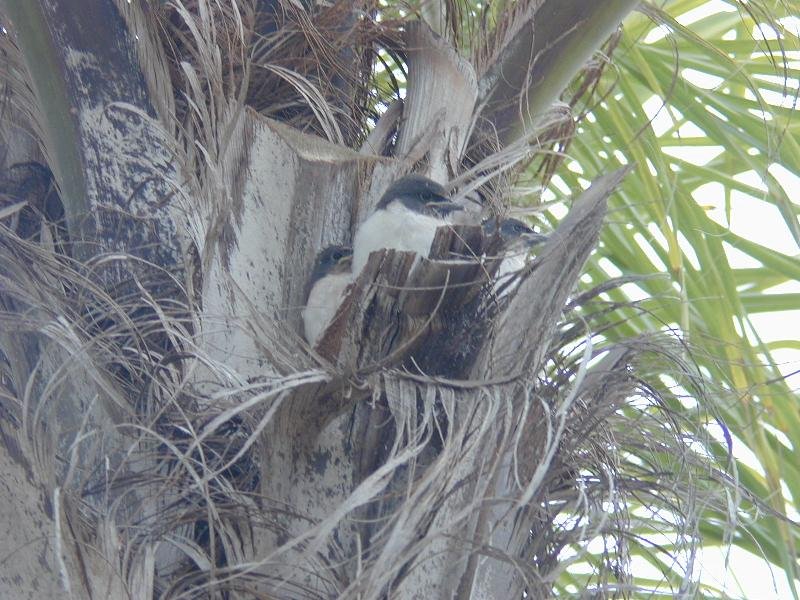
{"x":511,"y":264}
{"x":394,"y":227}
{"x":323,"y":301}
{"x":508,"y":268}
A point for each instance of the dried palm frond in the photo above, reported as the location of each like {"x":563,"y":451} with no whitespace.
{"x":307,"y":66}
{"x":165,"y":474}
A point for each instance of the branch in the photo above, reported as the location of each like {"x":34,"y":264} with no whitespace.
{"x":540,"y":60}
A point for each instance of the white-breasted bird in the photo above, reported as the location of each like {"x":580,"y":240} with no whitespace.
{"x":329,"y":280}
{"x":517,"y":239}
{"x":406,"y":218}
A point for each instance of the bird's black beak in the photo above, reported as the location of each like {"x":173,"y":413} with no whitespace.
{"x":534,"y":239}
{"x":443,"y":207}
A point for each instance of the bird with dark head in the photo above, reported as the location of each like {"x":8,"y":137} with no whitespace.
{"x":517,"y":239}
{"x":331,"y":275}
{"x":405,"y":218}
{"x":515,"y":234}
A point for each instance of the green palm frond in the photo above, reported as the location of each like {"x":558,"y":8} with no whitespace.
{"x":707,"y":111}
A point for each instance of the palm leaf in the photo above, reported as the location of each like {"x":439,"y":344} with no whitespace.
{"x":707,"y":103}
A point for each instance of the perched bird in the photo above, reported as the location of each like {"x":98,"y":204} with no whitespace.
{"x":517,"y":239}
{"x":329,"y":280}
{"x":405,"y":218}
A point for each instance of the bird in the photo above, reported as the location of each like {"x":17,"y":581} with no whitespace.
{"x":406,"y":218}
{"x":516,"y":240}
{"x":329,"y":280}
